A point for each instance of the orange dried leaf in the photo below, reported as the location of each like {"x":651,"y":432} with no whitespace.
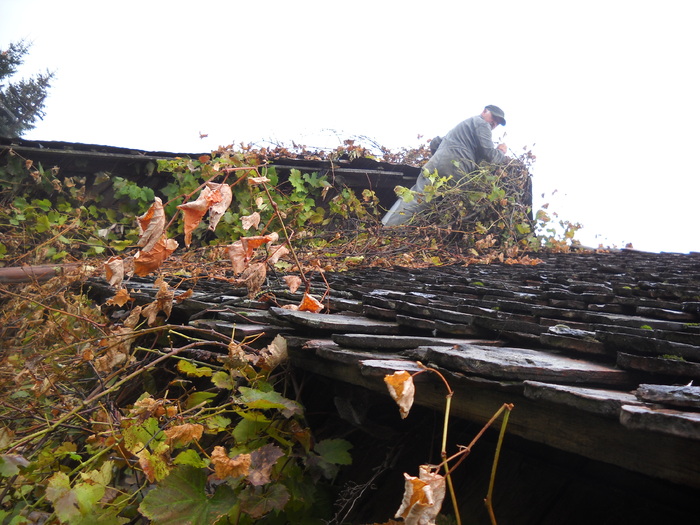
{"x":148,"y":262}
{"x":402,"y":390}
{"x":151,"y":225}
{"x":226,"y":467}
{"x":256,"y":241}
{"x":120,"y":298}
{"x":184,"y":434}
{"x":310,"y":304}
{"x":219,"y":208}
{"x":184,"y":295}
{"x":194,"y":211}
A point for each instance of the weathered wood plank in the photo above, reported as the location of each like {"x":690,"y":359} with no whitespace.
{"x":604,"y":402}
{"x":398,"y":342}
{"x":525,"y":364}
{"x":659,"y":365}
{"x":336,"y":322}
{"x":590,"y":435}
{"x":681,"y":396}
{"x":663,"y":420}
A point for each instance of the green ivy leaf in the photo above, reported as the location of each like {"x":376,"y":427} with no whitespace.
{"x":181,"y":498}
{"x":190,"y":457}
{"x":257,"y":399}
{"x":335,"y":451}
{"x":222,"y":380}
{"x":198,"y":398}
{"x":192,"y":370}
{"x":258,"y":501}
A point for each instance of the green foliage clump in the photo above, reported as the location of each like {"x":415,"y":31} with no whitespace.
{"x":105,"y":422}
{"x":489,"y":211}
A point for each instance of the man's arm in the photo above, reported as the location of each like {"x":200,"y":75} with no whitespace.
{"x":487,"y":151}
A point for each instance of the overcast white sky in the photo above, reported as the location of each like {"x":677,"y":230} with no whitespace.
{"x":606,"y":93}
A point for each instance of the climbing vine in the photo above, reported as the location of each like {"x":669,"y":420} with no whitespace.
{"x":110,"y":414}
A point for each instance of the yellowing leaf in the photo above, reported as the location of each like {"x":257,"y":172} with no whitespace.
{"x":251,"y":243}
{"x":226,"y":467}
{"x":151,"y":225}
{"x":402,"y":390}
{"x":186,"y":367}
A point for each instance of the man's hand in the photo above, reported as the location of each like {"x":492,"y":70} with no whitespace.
{"x":503,"y":148}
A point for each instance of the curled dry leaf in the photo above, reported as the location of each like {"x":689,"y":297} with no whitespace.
{"x":275,"y":353}
{"x":147,"y":262}
{"x":163,"y":303}
{"x":423,"y":497}
{"x":256,"y":241}
{"x":250,"y":221}
{"x":184,"y":295}
{"x":114,"y":271}
{"x":253,"y":278}
{"x":402,"y":390}
{"x":226,"y":467}
{"x":218,"y":209}
{"x":120,"y":298}
{"x":194,"y":211}
{"x":236,"y":252}
{"x":151,"y":226}
{"x":254,"y":181}
{"x":277,"y":251}
{"x":310,"y":304}
{"x":293,"y":282}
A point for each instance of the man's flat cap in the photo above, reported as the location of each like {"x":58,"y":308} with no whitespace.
{"x":497,"y":113}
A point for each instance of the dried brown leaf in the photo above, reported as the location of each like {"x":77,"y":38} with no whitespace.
{"x":293,"y":282}
{"x":184,"y":434}
{"x":148,"y":262}
{"x":120,"y":298}
{"x":250,"y":221}
{"x":226,"y":467}
{"x":218,"y":209}
{"x":151,"y":225}
{"x":114,"y":271}
{"x":402,"y":390}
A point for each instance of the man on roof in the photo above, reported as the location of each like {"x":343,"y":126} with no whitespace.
{"x":458,"y":153}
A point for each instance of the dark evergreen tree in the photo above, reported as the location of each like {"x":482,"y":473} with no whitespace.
{"x":21,"y":102}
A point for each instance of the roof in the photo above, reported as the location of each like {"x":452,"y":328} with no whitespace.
{"x":601,"y":345}
{"x":140,"y":165}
